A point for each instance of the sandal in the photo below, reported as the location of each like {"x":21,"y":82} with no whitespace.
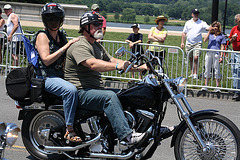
{"x":71,"y":136}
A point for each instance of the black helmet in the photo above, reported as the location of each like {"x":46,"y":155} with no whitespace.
{"x":51,"y":14}
{"x":90,"y":17}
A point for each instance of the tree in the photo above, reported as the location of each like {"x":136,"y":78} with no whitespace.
{"x":129,"y":14}
{"x":146,"y":19}
{"x":116,"y":16}
{"x":104,"y":14}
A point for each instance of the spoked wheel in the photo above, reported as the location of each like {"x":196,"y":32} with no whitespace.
{"x":220,"y":135}
{"x":32,"y":126}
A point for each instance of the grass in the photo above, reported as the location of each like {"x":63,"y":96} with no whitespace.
{"x":140,"y":20}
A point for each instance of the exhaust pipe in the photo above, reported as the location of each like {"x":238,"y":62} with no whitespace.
{"x":84,"y":144}
{"x":112,"y":156}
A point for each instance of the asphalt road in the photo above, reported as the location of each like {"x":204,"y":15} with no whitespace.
{"x":228,"y":108}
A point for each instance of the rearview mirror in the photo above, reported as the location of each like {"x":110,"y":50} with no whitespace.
{"x":120,"y":51}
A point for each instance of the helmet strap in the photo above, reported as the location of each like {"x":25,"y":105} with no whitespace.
{"x":88,"y":31}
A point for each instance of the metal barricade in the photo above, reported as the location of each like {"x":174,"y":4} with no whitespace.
{"x":173,"y":63}
{"x":3,"y":52}
{"x":226,"y":71}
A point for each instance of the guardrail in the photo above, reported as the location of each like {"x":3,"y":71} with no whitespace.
{"x":226,"y":78}
{"x":176,"y":63}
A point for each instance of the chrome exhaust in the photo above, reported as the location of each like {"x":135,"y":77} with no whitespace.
{"x":112,"y":156}
{"x":68,"y":148}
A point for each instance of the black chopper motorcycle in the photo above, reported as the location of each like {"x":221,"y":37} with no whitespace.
{"x":200,"y":135}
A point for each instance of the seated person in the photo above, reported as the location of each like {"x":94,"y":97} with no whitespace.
{"x":84,"y":60}
{"x":51,"y":45}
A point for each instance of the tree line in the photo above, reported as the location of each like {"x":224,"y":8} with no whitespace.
{"x":174,"y":9}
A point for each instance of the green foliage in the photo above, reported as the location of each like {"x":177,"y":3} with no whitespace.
{"x":104,"y":14}
{"x":146,"y":19}
{"x":129,"y":14}
{"x":116,"y":16}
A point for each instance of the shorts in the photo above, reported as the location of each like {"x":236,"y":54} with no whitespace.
{"x":17,"y":47}
{"x":193,"y":53}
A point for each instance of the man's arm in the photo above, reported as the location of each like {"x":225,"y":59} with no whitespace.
{"x":14,"y":20}
{"x":183,"y":39}
{"x":105,"y":66}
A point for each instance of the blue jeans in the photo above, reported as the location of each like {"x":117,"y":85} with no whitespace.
{"x":236,"y":70}
{"x":107,"y":101}
{"x":69,"y":94}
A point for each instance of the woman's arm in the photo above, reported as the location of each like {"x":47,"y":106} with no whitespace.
{"x":42,"y":45}
{"x":207,"y":37}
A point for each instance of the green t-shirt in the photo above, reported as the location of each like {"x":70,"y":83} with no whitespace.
{"x":75,"y":72}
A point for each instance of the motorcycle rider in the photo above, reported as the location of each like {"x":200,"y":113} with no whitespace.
{"x":51,"y":45}
{"x":84,"y":60}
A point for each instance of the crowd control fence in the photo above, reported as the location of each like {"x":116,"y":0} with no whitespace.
{"x":175,"y":63}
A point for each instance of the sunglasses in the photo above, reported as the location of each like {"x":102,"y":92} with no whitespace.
{"x":96,"y":24}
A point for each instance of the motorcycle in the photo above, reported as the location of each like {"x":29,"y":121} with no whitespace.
{"x":202,"y":135}
{"x":8,"y":136}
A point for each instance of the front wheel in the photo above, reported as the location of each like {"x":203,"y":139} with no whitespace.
{"x":219,"y":133}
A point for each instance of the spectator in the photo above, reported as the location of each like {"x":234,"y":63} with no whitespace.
{"x":13,"y":26}
{"x":51,"y":45}
{"x":157,"y":36}
{"x":2,"y":23}
{"x":235,"y":40}
{"x":193,"y":30}
{"x":133,"y":39}
{"x":84,"y":62}
{"x":95,"y":7}
{"x":216,"y":41}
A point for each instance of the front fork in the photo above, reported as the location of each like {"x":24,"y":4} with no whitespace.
{"x":185,"y":115}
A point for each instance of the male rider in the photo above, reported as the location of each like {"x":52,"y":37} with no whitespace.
{"x":85,"y":59}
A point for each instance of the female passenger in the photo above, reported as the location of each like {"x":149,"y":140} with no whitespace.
{"x":51,"y":45}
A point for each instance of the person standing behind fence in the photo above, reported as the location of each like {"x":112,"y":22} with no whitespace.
{"x":216,"y":41}
{"x":13,"y":26}
{"x":235,"y":40}
{"x":2,"y":23}
{"x":95,"y":7}
{"x":133,"y":39}
{"x":157,"y":36}
{"x":193,"y":31}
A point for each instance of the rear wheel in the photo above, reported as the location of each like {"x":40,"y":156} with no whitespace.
{"x":33,"y":124}
{"x":219,"y":133}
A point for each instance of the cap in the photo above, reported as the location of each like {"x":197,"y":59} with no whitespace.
{"x":7,"y":6}
{"x":194,"y":11}
{"x":136,"y":25}
{"x":94,"y":7}
{"x":161,"y":17}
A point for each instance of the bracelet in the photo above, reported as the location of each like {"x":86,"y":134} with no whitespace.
{"x":116,"y":66}
{"x":61,"y":51}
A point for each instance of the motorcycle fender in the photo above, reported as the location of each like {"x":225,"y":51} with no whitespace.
{"x":208,"y":111}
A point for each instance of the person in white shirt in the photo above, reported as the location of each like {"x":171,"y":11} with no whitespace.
{"x":193,"y":29}
{"x":2,"y":23}
{"x":13,"y":26}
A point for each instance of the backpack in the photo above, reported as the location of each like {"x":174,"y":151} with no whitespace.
{"x":18,"y":83}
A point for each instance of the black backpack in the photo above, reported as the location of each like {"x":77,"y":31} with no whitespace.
{"x":18,"y":83}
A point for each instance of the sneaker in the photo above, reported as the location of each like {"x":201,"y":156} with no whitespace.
{"x":236,"y":96}
{"x":195,"y":76}
{"x":204,"y":89}
{"x":135,"y":138}
{"x":217,"y":90}
{"x":191,"y":75}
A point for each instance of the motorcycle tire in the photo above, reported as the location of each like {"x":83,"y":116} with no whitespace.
{"x":218,"y":132}
{"x":32,"y":124}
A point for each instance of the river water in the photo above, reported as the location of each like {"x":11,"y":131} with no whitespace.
{"x":147,"y":26}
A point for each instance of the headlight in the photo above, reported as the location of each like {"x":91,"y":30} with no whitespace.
{"x":180,"y":83}
{"x":11,"y":133}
